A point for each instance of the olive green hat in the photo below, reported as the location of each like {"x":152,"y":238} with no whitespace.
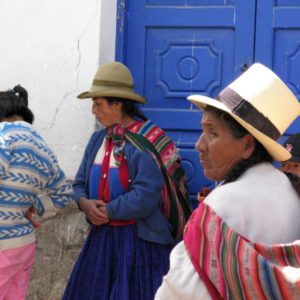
{"x":113,"y":80}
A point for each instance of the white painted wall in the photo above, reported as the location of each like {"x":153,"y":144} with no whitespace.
{"x":53,"y":48}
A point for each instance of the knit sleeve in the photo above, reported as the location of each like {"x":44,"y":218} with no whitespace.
{"x":4,"y":156}
{"x":57,"y":191}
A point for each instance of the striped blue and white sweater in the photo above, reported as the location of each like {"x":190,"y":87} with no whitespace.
{"x":28,"y":167}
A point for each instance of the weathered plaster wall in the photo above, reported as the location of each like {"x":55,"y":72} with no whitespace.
{"x":53,"y":48}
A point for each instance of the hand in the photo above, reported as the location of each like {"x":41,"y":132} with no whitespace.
{"x":200,"y":197}
{"x":28,"y":215}
{"x":103,"y":209}
{"x":95,"y":210}
{"x":204,"y":192}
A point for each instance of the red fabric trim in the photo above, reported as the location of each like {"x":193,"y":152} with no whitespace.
{"x":121,"y":223}
{"x":104,"y":193}
{"x":133,"y":125}
{"x":124,"y":175}
{"x":210,"y":287}
{"x":189,"y":241}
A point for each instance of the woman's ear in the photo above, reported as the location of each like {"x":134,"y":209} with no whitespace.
{"x":118,"y":105}
{"x":249,"y":146}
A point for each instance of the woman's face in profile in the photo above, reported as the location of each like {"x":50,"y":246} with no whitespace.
{"x":219,"y":150}
{"x":107,"y":114}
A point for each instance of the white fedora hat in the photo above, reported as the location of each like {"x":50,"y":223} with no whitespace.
{"x":261,"y":102}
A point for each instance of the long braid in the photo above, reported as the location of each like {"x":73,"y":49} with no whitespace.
{"x":295,"y":180}
{"x":259,"y":155}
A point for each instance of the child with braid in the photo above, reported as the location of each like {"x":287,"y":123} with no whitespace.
{"x":27,"y":167}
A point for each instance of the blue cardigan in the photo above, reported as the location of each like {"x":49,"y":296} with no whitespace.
{"x":141,"y":202}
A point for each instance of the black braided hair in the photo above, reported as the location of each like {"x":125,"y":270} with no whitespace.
{"x":20,"y":92}
{"x":128,"y":107}
{"x":259,"y":155}
{"x":15,"y":102}
{"x":295,"y":180}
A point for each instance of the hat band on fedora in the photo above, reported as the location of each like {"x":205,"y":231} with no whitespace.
{"x":248,"y":113}
{"x":112,"y":83}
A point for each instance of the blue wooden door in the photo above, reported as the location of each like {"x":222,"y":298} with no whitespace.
{"x":178,"y":47}
{"x":278,"y":43}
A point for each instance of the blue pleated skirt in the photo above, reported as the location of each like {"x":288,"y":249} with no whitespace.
{"x":115,"y":264}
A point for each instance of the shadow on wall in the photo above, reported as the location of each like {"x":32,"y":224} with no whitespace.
{"x":59,"y":241}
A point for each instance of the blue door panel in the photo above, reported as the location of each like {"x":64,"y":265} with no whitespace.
{"x":185,"y":138}
{"x":278,"y":45}
{"x":287,"y":3}
{"x":193,"y":169}
{"x":189,"y":2}
{"x":185,"y":61}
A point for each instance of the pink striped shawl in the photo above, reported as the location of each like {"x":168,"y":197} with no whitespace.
{"x":233,"y":267}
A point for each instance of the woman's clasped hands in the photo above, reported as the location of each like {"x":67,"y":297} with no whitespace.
{"x":95,"y":210}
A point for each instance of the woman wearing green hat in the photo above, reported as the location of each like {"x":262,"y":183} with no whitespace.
{"x":129,"y":180}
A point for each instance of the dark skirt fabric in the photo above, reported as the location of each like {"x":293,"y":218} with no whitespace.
{"x":115,"y":264}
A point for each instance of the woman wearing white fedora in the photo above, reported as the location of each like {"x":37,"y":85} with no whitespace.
{"x":243,"y":241}
{"x":122,"y":186}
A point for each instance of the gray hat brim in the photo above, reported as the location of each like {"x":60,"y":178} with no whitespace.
{"x":120,"y":92}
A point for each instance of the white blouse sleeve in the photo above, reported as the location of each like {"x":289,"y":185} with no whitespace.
{"x":182,"y":280}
